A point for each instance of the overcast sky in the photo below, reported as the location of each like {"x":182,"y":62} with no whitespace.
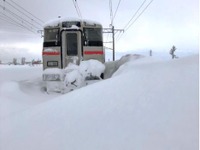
{"x":163,"y":24}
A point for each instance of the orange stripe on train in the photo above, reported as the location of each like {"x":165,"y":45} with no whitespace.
{"x":51,"y":53}
{"x":93,"y":52}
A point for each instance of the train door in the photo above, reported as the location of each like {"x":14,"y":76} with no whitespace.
{"x":71,"y":47}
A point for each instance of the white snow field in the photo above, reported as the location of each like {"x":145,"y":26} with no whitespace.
{"x":147,"y":104}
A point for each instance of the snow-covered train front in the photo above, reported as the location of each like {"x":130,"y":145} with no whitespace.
{"x":70,"y":41}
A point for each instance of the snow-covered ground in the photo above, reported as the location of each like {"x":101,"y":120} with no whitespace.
{"x":147,"y":104}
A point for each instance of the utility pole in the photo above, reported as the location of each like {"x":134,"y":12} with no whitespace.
{"x":113,"y":31}
{"x":113,"y":39}
{"x":41,"y":32}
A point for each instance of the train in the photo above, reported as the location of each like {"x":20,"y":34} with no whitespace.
{"x":68,"y":40}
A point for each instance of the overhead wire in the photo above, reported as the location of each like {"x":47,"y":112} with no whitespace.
{"x":116,"y":10}
{"x":111,"y":12}
{"x":29,"y":17}
{"x":2,"y":17}
{"x":135,"y":14}
{"x":111,"y":20}
{"x":19,"y":18}
{"x":106,"y":42}
{"x":129,"y":24}
{"x":26,"y":11}
{"x":18,"y":24}
{"x":119,"y":2}
{"x":139,"y":15}
{"x":77,"y":8}
{"x":119,"y":35}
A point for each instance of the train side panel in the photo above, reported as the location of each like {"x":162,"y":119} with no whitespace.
{"x":93,"y":52}
{"x":51,"y":57}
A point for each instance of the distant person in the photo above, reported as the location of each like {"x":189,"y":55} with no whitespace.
{"x":173,"y":49}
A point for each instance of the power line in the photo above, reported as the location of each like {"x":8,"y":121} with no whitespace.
{"x":8,"y":21}
{"x":116,"y":10}
{"x":107,"y":39}
{"x":18,"y":24}
{"x":111,"y":11}
{"x":77,"y":8}
{"x":112,"y":29}
{"x":26,"y":11}
{"x":24,"y":14}
{"x":15,"y":14}
{"x":119,"y":35}
{"x":19,"y":18}
{"x":128,"y":24}
{"x":139,"y":15}
{"x":134,"y":14}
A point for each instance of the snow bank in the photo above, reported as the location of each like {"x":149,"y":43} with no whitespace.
{"x":144,"y":106}
{"x":75,"y":76}
{"x":20,"y":89}
{"x":113,"y":66}
{"x":8,"y":105}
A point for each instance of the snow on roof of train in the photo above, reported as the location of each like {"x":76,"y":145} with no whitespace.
{"x":57,"y":21}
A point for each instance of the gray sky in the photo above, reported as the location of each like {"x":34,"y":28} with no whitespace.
{"x":163,"y":24}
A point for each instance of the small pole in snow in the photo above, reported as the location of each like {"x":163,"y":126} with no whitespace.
{"x":150,"y":53}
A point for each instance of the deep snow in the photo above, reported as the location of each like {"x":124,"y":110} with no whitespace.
{"x":146,"y":105}
{"x":73,"y":76}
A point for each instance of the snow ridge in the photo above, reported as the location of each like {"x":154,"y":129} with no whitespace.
{"x":146,"y":105}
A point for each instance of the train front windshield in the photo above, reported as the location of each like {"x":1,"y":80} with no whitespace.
{"x":93,"y":37}
{"x":51,"y":34}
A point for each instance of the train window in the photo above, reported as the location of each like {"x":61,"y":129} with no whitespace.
{"x":51,"y":34}
{"x":93,"y":37}
{"x":68,"y":24}
{"x":72,"y":44}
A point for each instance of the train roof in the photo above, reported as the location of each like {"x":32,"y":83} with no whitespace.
{"x":58,"y":21}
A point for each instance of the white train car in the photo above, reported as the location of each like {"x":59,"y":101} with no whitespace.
{"x":71,"y":41}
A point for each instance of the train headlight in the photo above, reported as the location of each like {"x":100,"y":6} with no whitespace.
{"x":51,"y":77}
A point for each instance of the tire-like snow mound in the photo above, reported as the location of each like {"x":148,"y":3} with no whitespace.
{"x":75,"y":76}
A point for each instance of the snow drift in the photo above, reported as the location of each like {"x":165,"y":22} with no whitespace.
{"x":146,"y":105}
{"x":74,"y":76}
